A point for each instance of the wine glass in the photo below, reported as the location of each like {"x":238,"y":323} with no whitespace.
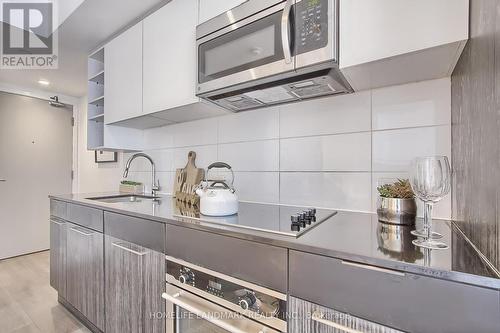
{"x":430,"y":179}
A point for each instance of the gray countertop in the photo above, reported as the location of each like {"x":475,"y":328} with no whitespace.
{"x":357,"y":237}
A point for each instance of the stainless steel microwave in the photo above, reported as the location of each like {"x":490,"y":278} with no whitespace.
{"x":267,"y":52}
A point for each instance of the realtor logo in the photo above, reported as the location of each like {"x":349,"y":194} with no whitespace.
{"x":28,"y":41}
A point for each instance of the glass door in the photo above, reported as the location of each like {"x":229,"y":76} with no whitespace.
{"x":252,"y":51}
{"x":193,"y":313}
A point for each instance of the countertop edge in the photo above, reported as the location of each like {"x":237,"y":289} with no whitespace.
{"x":465,"y":278}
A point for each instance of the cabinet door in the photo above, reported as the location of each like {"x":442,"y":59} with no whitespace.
{"x":170,"y":56}
{"x":420,"y":25}
{"x":58,"y":256}
{"x":123,"y":68}
{"x":307,"y":317}
{"x":135,"y":280}
{"x":210,"y":8}
{"x":85,"y":272}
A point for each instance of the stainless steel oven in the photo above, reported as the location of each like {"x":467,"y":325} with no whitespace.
{"x":270,"y":51}
{"x":201,"y":300}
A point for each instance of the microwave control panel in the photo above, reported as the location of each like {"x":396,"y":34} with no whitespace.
{"x":311,"y":25}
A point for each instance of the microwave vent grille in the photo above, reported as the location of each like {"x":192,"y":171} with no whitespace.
{"x":242,"y":102}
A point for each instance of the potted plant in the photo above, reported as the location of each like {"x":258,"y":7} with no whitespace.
{"x":396,"y":203}
{"x":127,"y":186}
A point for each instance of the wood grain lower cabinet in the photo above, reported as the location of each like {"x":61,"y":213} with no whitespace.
{"x":58,"y":256}
{"x":85,"y":272}
{"x":307,"y":317}
{"x":135,"y":280}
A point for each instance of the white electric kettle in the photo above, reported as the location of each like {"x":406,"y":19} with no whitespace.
{"x":217,"y":198}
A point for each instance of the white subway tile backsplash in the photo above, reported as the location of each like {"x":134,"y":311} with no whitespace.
{"x":412,"y":105}
{"x":251,"y":156}
{"x":205,"y":155}
{"x":195,"y":133}
{"x":349,"y":191}
{"x":342,"y":152}
{"x":166,"y":182}
{"x":257,"y":186}
{"x":249,"y":126}
{"x":394,"y":150}
{"x":328,"y":152}
{"x":162,"y":158}
{"x":159,"y":138}
{"x":339,"y":114}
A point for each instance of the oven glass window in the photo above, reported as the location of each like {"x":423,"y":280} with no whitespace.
{"x":250,"y":46}
{"x":190,"y":323}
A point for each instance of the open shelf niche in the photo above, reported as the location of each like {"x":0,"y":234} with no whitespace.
{"x":95,"y":113}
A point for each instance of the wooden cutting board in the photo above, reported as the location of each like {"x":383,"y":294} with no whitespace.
{"x":186,"y":179}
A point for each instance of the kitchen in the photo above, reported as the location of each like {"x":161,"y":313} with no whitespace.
{"x":254,"y":166}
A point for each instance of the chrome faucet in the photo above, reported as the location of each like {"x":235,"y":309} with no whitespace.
{"x":155,"y":186}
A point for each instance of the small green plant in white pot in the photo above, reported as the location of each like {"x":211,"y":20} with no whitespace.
{"x":396,"y":203}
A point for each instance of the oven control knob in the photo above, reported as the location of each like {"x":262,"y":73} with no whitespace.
{"x":247,"y":301}
{"x":186,"y":277}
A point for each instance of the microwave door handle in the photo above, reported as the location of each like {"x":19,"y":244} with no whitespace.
{"x":285,"y":34}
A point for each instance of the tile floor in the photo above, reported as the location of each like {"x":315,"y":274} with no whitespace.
{"x":28,"y":304}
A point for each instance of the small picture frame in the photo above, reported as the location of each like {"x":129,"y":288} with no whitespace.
{"x":105,"y":156}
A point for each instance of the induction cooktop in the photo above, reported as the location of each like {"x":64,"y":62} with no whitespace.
{"x":290,"y":221}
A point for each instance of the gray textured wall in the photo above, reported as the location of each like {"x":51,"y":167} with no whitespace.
{"x":476,"y":131}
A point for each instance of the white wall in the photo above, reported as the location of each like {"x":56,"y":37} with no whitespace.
{"x":329,"y":152}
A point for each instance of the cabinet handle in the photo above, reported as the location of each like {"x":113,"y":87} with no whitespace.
{"x":317,"y":316}
{"x":373,"y":268}
{"x":285,"y":23}
{"x":81,"y":232}
{"x":58,"y":222}
{"x":3,"y":180}
{"x":124,"y":247}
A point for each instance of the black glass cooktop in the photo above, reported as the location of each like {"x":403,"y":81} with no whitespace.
{"x":275,"y":219}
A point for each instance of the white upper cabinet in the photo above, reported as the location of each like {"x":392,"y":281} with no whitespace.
{"x":211,"y":8}
{"x":386,"y":42}
{"x":170,"y":56}
{"x":123,"y":68}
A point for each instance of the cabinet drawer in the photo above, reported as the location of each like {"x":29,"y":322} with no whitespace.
{"x":146,"y":233}
{"x":86,"y":217}
{"x":253,"y":262}
{"x":404,"y":301}
{"x":58,"y":208}
{"x":307,"y":317}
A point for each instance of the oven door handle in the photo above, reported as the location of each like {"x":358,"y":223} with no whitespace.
{"x":285,"y":35}
{"x":221,"y":317}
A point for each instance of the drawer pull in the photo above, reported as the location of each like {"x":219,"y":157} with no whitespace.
{"x":58,"y":222}
{"x":373,"y":268}
{"x":320,"y":318}
{"x":81,"y":232}
{"x":126,"y":247}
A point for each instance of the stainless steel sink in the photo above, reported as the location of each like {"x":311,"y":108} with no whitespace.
{"x":124,"y":198}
